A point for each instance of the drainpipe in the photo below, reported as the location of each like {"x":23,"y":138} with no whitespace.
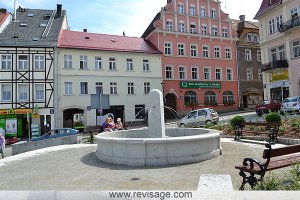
{"x":238,"y":73}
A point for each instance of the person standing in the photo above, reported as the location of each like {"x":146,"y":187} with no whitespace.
{"x":2,"y":145}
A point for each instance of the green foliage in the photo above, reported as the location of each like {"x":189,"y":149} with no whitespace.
{"x":290,"y":182}
{"x":79,"y":124}
{"x":273,"y":117}
{"x":237,"y":121}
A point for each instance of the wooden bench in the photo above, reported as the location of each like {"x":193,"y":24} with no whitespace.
{"x":270,"y":129}
{"x":275,"y":159}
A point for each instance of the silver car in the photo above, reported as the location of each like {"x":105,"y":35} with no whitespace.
{"x":199,"y":117}
{"x":291,"y":104}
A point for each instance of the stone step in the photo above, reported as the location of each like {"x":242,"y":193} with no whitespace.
{"x":215,"y":182}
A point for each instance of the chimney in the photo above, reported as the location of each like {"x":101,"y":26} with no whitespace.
{"x":85,"y":30}
{"x":123,"y":33}
{"x":242,"y":17}
{"x":59,"y":10}
{"x":169,"y":1}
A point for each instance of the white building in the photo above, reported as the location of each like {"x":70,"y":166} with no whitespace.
{"x":279,"y":25}
{"x":125,"y":68}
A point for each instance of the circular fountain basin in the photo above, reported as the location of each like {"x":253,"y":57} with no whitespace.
{"x":180,"y":146}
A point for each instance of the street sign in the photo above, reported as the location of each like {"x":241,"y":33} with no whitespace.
{"x":100,"y":101}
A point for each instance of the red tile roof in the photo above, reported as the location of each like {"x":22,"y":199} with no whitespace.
{"x":3,"y":17}
{"x":104,"y":42}
{"x":266,"y":6}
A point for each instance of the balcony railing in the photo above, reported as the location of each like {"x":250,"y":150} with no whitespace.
{"x":289,"y":24}
{"x":275,"y":65}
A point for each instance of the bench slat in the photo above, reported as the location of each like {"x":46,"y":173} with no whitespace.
{"x":283,"y":162}
{"x":282,"y":151}
{"x":262,"y":123}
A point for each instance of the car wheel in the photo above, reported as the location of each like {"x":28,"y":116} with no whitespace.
{"x":182,"y":126}
{"x":208,"y":122}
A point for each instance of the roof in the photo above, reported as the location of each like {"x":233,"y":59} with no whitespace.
{"x":104,"y":42}
{"x":266,"y":6}
{"x":28,"y":28}
{"x":3,"y":17}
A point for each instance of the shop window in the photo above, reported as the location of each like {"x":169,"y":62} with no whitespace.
{"x":190,"y":98}
{"x":228,"y":98}
{"x":210,"y":98}
{"x":140,"y":111}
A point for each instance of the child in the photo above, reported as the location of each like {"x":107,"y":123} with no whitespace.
{"x":119,"y":125}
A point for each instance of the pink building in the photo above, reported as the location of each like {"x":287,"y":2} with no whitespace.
{"x":199,"y":55}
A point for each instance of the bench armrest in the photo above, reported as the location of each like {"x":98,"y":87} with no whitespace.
{"x":251,"y":161}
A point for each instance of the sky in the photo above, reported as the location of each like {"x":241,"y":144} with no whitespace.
{"x":115,"y":16}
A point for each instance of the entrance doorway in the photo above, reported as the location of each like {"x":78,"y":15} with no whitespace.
{"x":72,"y":115}
{"x":170,"y":101}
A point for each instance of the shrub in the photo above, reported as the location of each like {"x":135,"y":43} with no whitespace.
{"x":273,"y":117}
{"x":79,"y":124}
{"x":237,"y":121}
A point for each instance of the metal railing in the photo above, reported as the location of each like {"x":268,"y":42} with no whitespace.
{"x":289,"y":24}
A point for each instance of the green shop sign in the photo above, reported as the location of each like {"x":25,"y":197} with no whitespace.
{"x":196,"y":85}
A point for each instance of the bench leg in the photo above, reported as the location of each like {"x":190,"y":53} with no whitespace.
{"x":251,"y":179}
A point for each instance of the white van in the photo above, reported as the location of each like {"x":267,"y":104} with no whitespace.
{"x":199,"y":117}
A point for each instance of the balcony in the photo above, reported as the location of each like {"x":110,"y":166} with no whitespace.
{"x":275,"y":65}
{"x":289,"y":24}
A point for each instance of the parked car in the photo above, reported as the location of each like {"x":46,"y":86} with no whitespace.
{"x":266,"y":106}
{"x":199,"y":117}
{"x":60,"y":132}
{"x":291,"y":104}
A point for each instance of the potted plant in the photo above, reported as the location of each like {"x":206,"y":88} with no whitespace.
{"x":273,"y":117}
{"x":79,"y":125}
{"x":237,"y":121}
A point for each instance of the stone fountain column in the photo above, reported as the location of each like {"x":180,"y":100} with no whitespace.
{"x":156,"y":116}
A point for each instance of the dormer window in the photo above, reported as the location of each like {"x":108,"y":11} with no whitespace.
{"x":30,"y":15}
{"x":23,"y":24}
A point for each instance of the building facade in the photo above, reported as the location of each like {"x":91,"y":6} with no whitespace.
{"x":27,"y":46}
{"x":199,"y":55}
{"x":280,"y":47}
{"x":123,"y":68}
{"x":249,"y":64}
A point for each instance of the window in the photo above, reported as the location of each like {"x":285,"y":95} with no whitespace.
{"x":68,"y":88}
{"x":260,"y":75}
{"x":271,"y":26}
{"x":23,"y":62}
{"x":68,"y":61}
{"x":205,"y":51}
{"x":146,"y":65}
{"x":248,"y":54}
{"x":249,"y":74}
{"x":129,"y":64}
{"x":181,"y":49}
{"x":206,"y":73}
{"x":228,"y":74}
{"x":181,"y":27}
{"x":194,"y":50}
{"x":182,"y":72}
{"x":273,"y":55}
{"x":258,"y":55}
{"x":113,"y":88}
{"x":213,"y":14}
{"x":195,"y":73}
{"x":278,"y":21}
{"x":190,"y":97}
{"x":112,"y":64}
{"x":249,"y":37}
{"x":281,"y":53}
{"x":296,"y":49}
{"x":217,"y":52}
{"x":5,"y":92}
{"x":168,"y":48}
{"x":210,"y":97}
{"x":192,"y":10}
{"x":146,"y":87}
{"x":169,"y":72}
{"x":23,"y":92}
{"x":218,"y":74}
{"x":225,"y":32}
{"x":228,"y":97}
{"x":39,"y":62}
{"x":99,"y":87}
{"x":39,"y":92}
{"x":6,"y":62}
{"x":83,"y":62}
{"x":255,"y":38}
{"x":215,"y":31}
{"x":83,"y":88}
{"x":98,"y":63}
{"x":203,"y":13}
{"x":139,"y":111}
{"x":227,"y":53}
{"x":169,"y":26}
{"x":193,"y":28}
{"x":130,"y":88}
{"x":204,"y":30}
{"x":180,"y":9}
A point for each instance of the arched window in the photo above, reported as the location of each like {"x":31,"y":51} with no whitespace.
{"x":228,"y":98}
{"x":190,"y":97}
{"x":210,"y":98}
